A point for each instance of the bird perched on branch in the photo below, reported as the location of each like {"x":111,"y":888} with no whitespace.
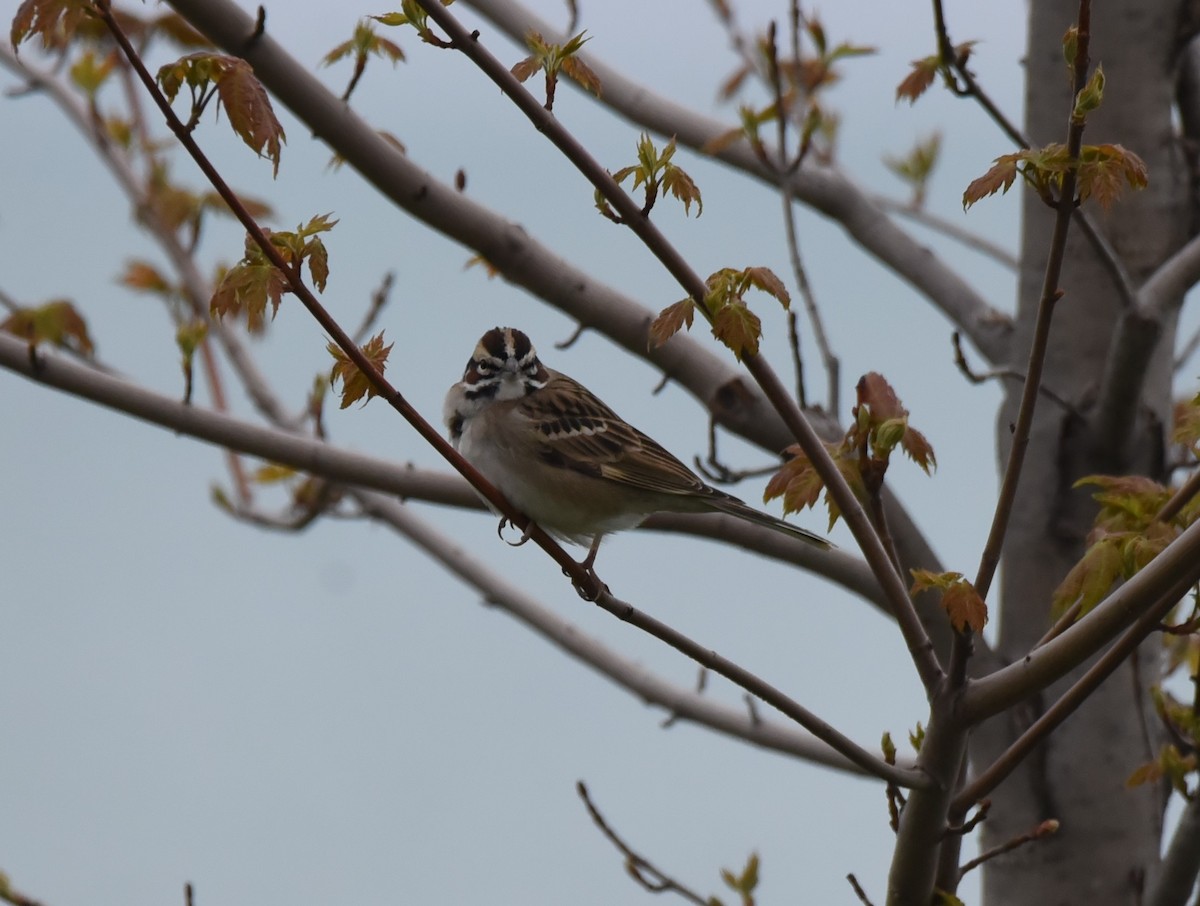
{"x":564,"y":458}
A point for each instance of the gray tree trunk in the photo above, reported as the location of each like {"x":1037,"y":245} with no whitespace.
{"x":1107,"y":849}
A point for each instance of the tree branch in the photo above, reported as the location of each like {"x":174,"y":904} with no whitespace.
{"x":990,"y":558}
{"x":638,"y":867}
{"x":680,"y":703}
{"x":732,"y":401}
{"x":1181,"y":864}
{"x":1069,"y":701}
{"x":317,"y":457}
{"x":920,"y":648}
{"x":822,"y":188}
{"x":1178,"y":564}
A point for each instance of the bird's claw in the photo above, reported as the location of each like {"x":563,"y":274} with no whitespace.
{"x":504,"y":523}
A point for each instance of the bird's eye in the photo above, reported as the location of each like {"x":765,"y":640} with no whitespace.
{"x":485,"y":368}
{"x":533,"y":368}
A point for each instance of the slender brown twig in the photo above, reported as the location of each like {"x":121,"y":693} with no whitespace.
{"x":1051,"y":293}
{"x":915,"y":637}
{"x":956,"y":67}
{"x":1180,"y":498}
{"x":586,"y":581}
{"x":639,"y":868}
{"x":858,"y":891}
{"x":1044,"y":829}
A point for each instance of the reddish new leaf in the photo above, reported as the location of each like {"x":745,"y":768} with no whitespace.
{"x":249,"y":110}
{"x":671,"y":320}
{"x":54,"y":21}
{"x":355,"y":384}
{"x":918,"y":80}
{"x":797,"y":482}
{"x":960,"y":600}
{"x":735,"y":325}
{"x":764,"y":278}
{"x":874,"y":392}
{"x":526,"y":68}
{"x":582,"y":74}
{"x":141,"y":275}
{"x":964,"y":607}
{"x":918,"y":449}
{"x":57,"y":322}
{"x":999,"y":178}
{"x":247,"y":288}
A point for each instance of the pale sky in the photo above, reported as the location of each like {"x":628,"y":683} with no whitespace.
{"x":298,"y":719}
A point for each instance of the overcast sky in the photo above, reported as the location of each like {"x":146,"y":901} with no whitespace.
{"x":294,"y":719}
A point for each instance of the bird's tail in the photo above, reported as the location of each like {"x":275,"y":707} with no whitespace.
{"x":735,"y":507}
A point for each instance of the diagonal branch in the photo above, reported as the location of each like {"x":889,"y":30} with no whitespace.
{"x":585,"y":580}
{"x":734,"y":403}
{"x":823,"y":188}
{"x":1069,"y":702}
{"x":1178,"y":563}
{"x":919,"y":645}
{"x":683,"y":704}
{"x":1051,"y":293}
{"x":319,"y":458}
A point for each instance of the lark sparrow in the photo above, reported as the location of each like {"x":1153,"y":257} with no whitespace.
{"x":565,"y":459}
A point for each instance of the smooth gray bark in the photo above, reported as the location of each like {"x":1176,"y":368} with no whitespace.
{"x":1107,"y":850}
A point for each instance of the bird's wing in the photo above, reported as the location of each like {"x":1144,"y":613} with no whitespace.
{"x":577,"y":431}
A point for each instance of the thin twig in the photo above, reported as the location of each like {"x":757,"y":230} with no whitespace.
{"x":858,"y":891}
{"x":1061,"y":625}
{"x":573,"y":338}
{"x":379,"y":301}
{"x":1050,"y":295}
{"x":972,"y":89}
{"x":1044,"y":829}
{"x":1180,"y":498}
{"x":925,"y":218}
{"x":915,"y":637}
{"x":586,"y":581}
{"x":639,"y":868}
{"x":981,"y":377}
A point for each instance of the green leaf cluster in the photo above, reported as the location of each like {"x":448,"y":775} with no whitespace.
{"x":656,"y":172}
{"x":254,"y":281}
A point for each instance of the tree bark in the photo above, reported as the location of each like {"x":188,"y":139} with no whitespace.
{"x":1107,"y":849}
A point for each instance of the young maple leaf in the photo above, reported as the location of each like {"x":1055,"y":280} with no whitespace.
{"x":999,"y":177}
{"x":735,"y":325}
{"x":250,"y":113}
{"x":918,"y":80}
{"x":58,"y":323}
{"x":1091,"y":578}
{"x":671,"y":320}
{"x":960,"y":600}
{"x":355,"y":384}
{"x":764,"y":278}
{"x":248,"y":287}
{"x":881,"y":422}
{"x":54,"y":21}
{"x":141,"y":275}
{"x":1106,"y":170}
{"x":797,"y":482}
